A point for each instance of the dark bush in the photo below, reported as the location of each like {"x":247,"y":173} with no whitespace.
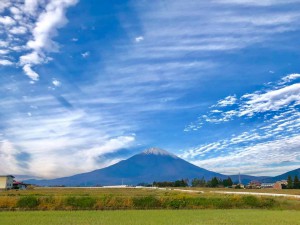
{"x":176,"y":203}
{"x":146,"y":202}
{"x":252,"y":201}
{"x":80,"y":202}
{"x":28,"y":202}
{"x":268,"y":203}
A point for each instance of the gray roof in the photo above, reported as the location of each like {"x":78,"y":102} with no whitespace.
{"x":7,"y":176}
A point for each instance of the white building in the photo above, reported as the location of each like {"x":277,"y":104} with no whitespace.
{"x":267,"y":185}
{"x":6,"y":182}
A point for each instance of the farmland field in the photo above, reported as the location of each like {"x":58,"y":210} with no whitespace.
{"x":152,"y":217}
{"x":137,"y":198}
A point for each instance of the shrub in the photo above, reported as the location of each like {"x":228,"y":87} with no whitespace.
{"x":146,"y":202}
{"x":176,"y":203}
{"x":251,"y":201}
{"x":80,"y":202}
{"x":268,"y":203}
{"x":28,"y":202}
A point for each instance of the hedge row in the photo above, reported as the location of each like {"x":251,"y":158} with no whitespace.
{"x":147,"y":202}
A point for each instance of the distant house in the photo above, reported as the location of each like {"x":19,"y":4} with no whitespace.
{"x":6,"y":182}
{"x":254,"y":185}
{"x":280,"y":184}
{"x":19,"y":185}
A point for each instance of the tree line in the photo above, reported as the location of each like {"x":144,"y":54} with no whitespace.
{"x":177,"y":183}
{"x":293,"y":184}
{"x":196,"y":182}
{"x":214,"y":182}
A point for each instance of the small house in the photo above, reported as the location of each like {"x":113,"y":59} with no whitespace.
{"x":254,"y":185}
{"x":19,"y":185}
{"x":280,"y":184}
{"x":6,"y":182}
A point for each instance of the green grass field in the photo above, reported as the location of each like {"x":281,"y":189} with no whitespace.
{"x":152,"y":217}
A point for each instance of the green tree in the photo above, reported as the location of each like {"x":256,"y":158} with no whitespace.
{"x":227,"y":182}
{"x":296,"y":182}
{"x":290,"y":182}
{"x":198,"y":182}
{"x":214,"y":182}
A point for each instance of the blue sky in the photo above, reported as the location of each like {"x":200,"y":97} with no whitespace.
{"x":85,"y":84}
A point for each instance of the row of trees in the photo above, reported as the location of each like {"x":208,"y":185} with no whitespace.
{"x":293,"y":184}
{"x":214,"y":182}
{"x":217,"y":182}
{"x":177,"y":183}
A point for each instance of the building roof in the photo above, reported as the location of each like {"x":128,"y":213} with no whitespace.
{"x":17,"y":182}
{"x":7,"y":176}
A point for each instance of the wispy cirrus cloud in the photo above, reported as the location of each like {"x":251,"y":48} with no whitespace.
{"x":36,"y":22}
{"x":257,"y":3}
{"x":270,"y":158}
{"x":61,"y":137}
{"x":281,"y":96}
{"x":272,"y":141}
{"x":220,"y":29}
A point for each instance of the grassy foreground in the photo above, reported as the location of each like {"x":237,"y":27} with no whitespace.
{"x":152,"y":217}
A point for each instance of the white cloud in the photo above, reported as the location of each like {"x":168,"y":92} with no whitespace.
{"x":228,"y":101}
{"x":30,"y":73}
{"x":4,"y":44}
{"x":85,"y":54}
{"x":257,"y":3}
{"x":171,"y":32}
{"x":32,"y":58}
{"x":5,"y":62}
{"x":7,"y":21}
{"x":273,"y":139}
{"x":139,"y":39}
{"x":9,"y":164}
{"x":39,"y":19}
{"x":271,"y":100}
{"x":45,"y":28}
{"x":18,"y":30}
{"x":290,"y":77}
{"x":59,"y":162}
{"x":47,"y":24}
{"x":4,"y":4}
{"x":14,"y":10}
{"x":30,"y":6}
{"x":280,"y":96}
{"x":265,"y":155}
{"x":56,"y":83}
{"x":63,"y":138}
{"x":3,"y":52}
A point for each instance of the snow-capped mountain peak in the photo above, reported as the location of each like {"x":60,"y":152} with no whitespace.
{"x":158,"y":151}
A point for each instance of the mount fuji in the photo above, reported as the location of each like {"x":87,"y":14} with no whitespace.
{"x":153,"y":164}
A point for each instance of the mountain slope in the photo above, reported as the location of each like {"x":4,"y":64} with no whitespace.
{"x":151,"y":165}
{"x":246,"y":179}
{"x":284,"y":176}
